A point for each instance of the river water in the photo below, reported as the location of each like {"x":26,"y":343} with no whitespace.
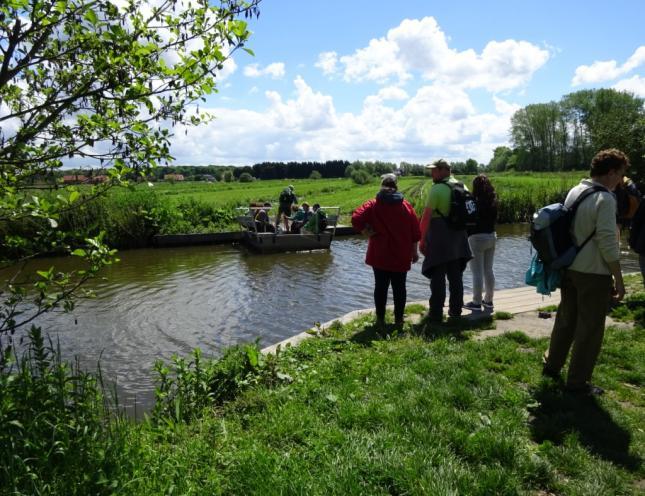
{"x":160,"y":302}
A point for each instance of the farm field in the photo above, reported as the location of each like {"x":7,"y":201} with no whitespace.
{"x":519,"y":194}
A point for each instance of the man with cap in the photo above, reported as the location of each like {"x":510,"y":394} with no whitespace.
{"x":393,"y":230}
{"x":445,"y":248}
{"x":286,"y":199}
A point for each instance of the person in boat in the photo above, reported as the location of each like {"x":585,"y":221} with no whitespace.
{"x":393,"y":229}
{"x":286,"y":199}
{"x":317,"y":223}
{"x":262,"y":221}
{"x":300,"y":217}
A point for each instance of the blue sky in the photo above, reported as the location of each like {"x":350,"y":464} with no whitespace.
{"x":409,"y":80}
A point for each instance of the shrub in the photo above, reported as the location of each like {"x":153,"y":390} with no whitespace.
{"x":315,"y":175}
{"x":228,"y":176}
{"x":361,"y":176}
{"x":245,"y":177}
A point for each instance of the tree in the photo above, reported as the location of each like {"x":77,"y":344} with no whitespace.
{"x":245,"y":177}
{"x":104,"y":81}
{"x":501,"y":157}
{"x":315,"y":175}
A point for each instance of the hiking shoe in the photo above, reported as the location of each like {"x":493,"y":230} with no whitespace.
{"x":471,"y":305}
{"x":552,"y":374}
{"x":585,"y":390}
{"x":488,"y":305}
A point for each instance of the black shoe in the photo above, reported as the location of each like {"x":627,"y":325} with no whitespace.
{"x":550,"y":373}
{"x":585,"y":390}
{"x":435,"y":319}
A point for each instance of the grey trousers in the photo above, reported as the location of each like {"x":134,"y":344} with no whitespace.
{"x":482,"y":246}
{"x":579,"y":323}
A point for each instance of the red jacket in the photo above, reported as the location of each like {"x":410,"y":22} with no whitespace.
{"x":396,"y":228}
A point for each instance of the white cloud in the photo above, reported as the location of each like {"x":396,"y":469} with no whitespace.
{"x":275,"y":70}
{"x":327,"y":62}
{"x":634,"y":84}
{"x":438,"y":120}
{"x":420,"y":46}
{"x":606,"y":70}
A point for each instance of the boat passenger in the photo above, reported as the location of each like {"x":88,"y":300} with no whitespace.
{"x":262,"y":221}
{"x":300,"y":217}
{"x":317,"y":223}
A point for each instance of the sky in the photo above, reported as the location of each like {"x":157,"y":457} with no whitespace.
{"x":408,"y":80}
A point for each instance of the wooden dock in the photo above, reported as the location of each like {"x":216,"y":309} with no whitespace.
{"x":516,"y":300}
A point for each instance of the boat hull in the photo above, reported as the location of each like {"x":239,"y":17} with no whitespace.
{"x":272,"y":243}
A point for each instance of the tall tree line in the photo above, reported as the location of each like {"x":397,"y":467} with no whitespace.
{"x":565,"y":135}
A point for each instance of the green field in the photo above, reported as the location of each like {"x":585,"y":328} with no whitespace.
{"x":519,"y":194}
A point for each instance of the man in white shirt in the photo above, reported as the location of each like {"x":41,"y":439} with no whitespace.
{"x":593,"y":276}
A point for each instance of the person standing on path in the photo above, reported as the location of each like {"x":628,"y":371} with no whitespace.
{"x":587,"y":283}
{"x":393,"y":229}
{"x":481,"y":239}
{"x":445,"y":248}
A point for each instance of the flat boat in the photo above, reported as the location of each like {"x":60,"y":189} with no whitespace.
{"x":272,"y":242}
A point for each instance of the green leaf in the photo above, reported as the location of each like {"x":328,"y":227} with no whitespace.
{"x":91,"y":17}
{"x":249,"y":51}
{"x":73,"y":196}
{"x":79,"y":252}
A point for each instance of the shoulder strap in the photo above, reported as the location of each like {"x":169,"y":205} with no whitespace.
{"x":585,"y":194}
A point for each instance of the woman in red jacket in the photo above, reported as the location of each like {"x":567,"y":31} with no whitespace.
{"x":393,"y":229}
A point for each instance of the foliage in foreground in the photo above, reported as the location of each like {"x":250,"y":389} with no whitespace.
{"x":350,"y":412}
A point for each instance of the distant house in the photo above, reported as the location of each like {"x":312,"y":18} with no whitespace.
{"x":76,"y":179}
{"x":82,"y":179}
{"x":209,"y":178}
{"x":173,"y":177}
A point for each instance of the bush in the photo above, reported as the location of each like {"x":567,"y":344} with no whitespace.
{"x":315,"y":175}
{"x":361,"y":176}
{"x":245,"y":177}
{"x":187,"y":388}
{"x":228,"y":176}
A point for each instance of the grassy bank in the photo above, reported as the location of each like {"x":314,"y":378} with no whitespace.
{"x":355,"y":411}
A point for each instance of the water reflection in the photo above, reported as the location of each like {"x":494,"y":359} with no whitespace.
{"x":155,"y":303}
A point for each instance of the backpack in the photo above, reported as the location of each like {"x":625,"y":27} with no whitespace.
{"x":551,"y":234}
{"x":286,"y":196}
{"x":463,"y":208}
{"x":637,"y":231}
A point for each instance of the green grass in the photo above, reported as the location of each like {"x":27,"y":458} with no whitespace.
{"x":359,"y":410}
{"x":429,"y":412}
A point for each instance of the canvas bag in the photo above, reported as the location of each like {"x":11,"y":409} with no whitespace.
{"x":463,"y":208}
{"x":551,"y":232}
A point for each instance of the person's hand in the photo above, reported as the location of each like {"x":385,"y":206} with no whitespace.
{"x":618,"y":292}
{"x":415,"y":257}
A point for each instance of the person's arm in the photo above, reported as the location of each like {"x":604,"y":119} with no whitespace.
{"x":425,"y":224}
{"x":619,"y":285}
{"x":360,"y":219}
